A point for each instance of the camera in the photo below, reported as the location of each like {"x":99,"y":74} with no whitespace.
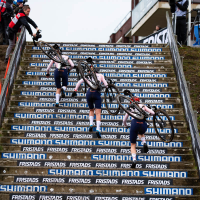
{"x":25,"y":1}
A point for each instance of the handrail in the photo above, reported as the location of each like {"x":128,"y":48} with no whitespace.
{"x":11,"y":74}
{"x":190,"y":118}
{"x":123,"y":21}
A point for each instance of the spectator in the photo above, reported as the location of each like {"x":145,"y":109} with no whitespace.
{"x":157,"y":28}
{"x":17,"y":6}
{"x":6,"y":12}
{"x":20,"y":19}
{"x":181,"y":10}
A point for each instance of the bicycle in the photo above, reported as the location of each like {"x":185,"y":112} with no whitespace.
{"x":161,"y":119}
{"x":88,"y":73}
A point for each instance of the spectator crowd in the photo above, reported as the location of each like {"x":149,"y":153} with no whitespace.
{"x":13,"y":15}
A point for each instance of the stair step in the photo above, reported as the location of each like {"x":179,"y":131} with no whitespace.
{"x":103,"y":164}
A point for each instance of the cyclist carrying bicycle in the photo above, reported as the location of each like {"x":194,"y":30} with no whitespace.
{"x":60,"y":72}
{"x":93,"y":98}
{"x":138,"y":128}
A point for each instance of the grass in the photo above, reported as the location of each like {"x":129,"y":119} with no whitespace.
{"x":191,"y":68}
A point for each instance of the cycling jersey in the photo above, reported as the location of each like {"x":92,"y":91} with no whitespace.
{"x":137,"y":126}
{"x":100,"y":77}
{"x":62,"y":73}
{"x":93,"y":96}
{"x":57,"y":64}
{"x":145,"y":108}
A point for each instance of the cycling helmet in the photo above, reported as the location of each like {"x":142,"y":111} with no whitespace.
{"x":56,"y":47}
{"x":135,"y":99}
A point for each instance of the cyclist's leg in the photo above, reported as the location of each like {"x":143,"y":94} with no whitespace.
{"x":142,"y":130}
{"x":97,"y":101}
{"x":133,"y":138}
{"x":64,"y":81}
{"x":91,"y":107}
{"x":58,"y":85}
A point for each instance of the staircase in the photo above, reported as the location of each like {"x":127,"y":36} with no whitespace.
{"x":48,"y":153}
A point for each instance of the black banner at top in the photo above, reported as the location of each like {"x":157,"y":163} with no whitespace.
{"x":160,"y":37}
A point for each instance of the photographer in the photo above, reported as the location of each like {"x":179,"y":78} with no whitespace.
{"x":6,"y":12}
{"x":20,"y":19}
{"x":17,"y":6}
{"x":181,"y":11}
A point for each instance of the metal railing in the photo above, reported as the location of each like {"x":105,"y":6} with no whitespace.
{"x":189,"y":113}
{"x":12,"y":71}
{"x":123,"y":21}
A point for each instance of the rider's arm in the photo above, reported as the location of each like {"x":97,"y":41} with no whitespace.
{"x":49,"y":66}
{"x":71,"y":63}
{"x":125,"y":119}
{"x":103,"y":80}
{"x":78,"y":84}
{"x":148,"y":110}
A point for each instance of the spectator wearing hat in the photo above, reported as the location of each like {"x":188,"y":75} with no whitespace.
{"x":6,"y":12}
{"x":17,"y":6}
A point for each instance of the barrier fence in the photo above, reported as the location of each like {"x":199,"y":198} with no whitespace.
{"x":192,"y":123}
{"x":11,"y":73}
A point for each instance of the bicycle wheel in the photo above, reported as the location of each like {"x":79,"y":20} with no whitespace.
{"x":130,"y":107}
{"x":163,"y":126}
{"x":88,"y":76}
{"x":111,"y":103}
{"x":48,"y":50}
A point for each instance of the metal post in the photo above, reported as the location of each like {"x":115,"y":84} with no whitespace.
{"x":188,"y":85}
{"x":195,"y":115}
{"x":2,"y":81}
{"x":182,"y":60}
{"x":189,"y":24}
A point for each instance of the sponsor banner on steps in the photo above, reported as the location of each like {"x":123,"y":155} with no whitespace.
{"x":65,"y":127}
{"x":88,"y":164}
{"x":91,"y":143}
{"x":57,"y":135}
{"x":22,"y":188}
{"x":169,"y":191}
{"x":70,"y":99}
{"x":133,"y":70}
{"x":137,"y":87}
{"x":102,"y":45}
{"x":81,"y":105}
{"x":77,"y":122}
{"x":86,"y":149}
{"x":106,"y":57}
{"x":36,"y":156}
{"x":148,"y":75}
{"x":87,"y":53}
{"x":143,"y":85}
{"x":74,"y":116}
{"x":129,"y":62}
{"x":93,"y":180}
{"x":121,"y":49}
{"x":139,"y":158}
{"x":85,"y":197}
{"x":100,"y":65}
{"x":50,"y":94}
{"x":118,"y":173}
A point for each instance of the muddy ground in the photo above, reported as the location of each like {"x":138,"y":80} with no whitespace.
{"x":191,"y":68}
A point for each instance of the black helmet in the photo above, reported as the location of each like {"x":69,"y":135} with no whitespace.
{"x":56,"y":47}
